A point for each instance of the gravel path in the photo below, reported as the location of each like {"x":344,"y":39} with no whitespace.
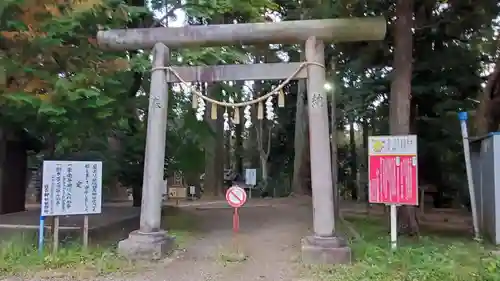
{"x":269,"y":238}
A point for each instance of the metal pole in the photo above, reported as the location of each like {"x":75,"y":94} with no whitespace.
{"x":462,"y":116}
{"x":41,"y":234}
{"x":394,"y":226}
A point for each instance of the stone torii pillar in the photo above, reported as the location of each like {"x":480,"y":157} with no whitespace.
{"x":324,"y":246}
{"x":150,"y":242}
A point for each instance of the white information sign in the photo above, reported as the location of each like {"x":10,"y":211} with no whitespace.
{"x":392,"y":145}
{"x":71,"y":188}
{"x":251,"y":176}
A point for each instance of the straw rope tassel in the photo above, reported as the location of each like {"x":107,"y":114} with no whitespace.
{"x":236,"y":117}
{"x":195,"y":100}
{"x":213,"y":112}
{"x":281,"y":99}
{"x":260,"y":111}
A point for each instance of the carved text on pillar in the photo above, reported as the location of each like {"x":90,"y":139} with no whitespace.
{"x":318,"y":101}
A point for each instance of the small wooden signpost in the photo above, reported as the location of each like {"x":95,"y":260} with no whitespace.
{"x":251,"y":180}
{"x":176,"y":188}
{"x":70,"y":188}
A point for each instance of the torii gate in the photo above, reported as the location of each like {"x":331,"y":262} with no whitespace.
{"x":322,"y":247}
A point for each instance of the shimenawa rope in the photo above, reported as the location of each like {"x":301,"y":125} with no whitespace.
{"x":237,"y":104}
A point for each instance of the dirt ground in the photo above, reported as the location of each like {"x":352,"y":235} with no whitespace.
{"x":270,"y":234}
{"x":270,"y":241}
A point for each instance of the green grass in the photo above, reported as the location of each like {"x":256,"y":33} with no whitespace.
{"x":232,"y":256}
{"x":430,"y":258}
{"x":233,"y":252}
{"x":20,"y":257}
{"x":180,"y":224}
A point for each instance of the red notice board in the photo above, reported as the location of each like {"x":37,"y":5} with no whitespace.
{"x":393,"y":170}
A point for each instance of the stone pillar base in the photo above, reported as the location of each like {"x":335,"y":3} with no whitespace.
{"x":146,"y":246}
{"x":325,"y":250}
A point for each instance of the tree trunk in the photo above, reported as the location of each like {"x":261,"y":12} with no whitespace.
{"x":264,"y":129}
{"x":334,"y":157}
{"x":251,"y":147}
{"x":238,"y":146}
{"x":487,"y":116}
{"x":252,"y":141}
{"x":341,"y":143}
{"x":136,"y":197}
{"x":3,"y":146}
{"x":133,"y":117}
{"x":353,"y":163}
{"x":227,"y":148}
{"x":301,"y":140}
{"x":214,"y":148}
{"x":238,"y":140}
{"x":117,"y":192}
{"x":363,"y":170}
{"x":264,"y":169}
{"x":401,"y":94}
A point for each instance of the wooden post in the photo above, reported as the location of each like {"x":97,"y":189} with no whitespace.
{"x":85,"y":232}
{"x":52,"y":226}
{"x":337,"y":30}
{"x":55,"y":237}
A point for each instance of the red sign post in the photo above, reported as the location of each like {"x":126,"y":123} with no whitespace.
{"x":236,"y":198}
{"x":393,"y":173}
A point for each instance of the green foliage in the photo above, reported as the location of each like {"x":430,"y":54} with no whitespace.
{"x":131,"y":158}
{"x":450,"y":52}
{"x":77,"y":87}
{"x":84,"y":100}
{"x":84,"y":95}
{"x":242,"y":10}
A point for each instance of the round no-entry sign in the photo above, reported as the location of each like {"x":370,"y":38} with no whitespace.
{"x":236,"y":196}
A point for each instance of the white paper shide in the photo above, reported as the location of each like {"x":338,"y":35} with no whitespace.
{"x":71,"y":188}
